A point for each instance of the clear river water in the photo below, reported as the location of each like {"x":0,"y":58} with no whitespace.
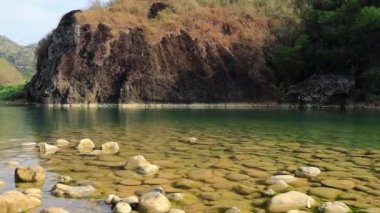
{"x":240,"y":146}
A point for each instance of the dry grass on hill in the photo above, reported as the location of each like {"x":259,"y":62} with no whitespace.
{"x":9,"y":75}
{"x":221,"y":21}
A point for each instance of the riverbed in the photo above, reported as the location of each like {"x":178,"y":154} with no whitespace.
{"x":235,"y":151}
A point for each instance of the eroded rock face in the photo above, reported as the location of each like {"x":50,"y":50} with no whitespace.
{"x":321,"y":89}
{"x":89,"y":64}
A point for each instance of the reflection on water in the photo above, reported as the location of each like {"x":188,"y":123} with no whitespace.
{"x":233,"y":143}
{"x":350,"y":128}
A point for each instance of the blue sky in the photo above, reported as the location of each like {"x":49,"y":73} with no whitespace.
{"x":27,"y":21}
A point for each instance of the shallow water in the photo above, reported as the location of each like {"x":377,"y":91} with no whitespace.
{"x":345,"y":145}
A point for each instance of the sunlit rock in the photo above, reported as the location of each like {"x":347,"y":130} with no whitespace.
{"x":30,"y":174}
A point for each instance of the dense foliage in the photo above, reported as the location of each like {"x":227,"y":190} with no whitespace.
{"x":339,"y":37}
{"x":11,"y":92}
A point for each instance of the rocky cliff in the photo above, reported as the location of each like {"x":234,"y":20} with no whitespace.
{"x":83,"y":63}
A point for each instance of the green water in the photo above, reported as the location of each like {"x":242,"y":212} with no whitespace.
{"x":230,"y":142}
{"x":339,"y":128}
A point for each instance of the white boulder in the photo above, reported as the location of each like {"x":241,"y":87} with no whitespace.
{"x":277,"y":178}
{"x":110,"y":148}
{"x":154,"y":202}
{"x":334,"y":207}
{"x":122,"y":207}
{"x":292,"y":200}
{"x":308,"y":172}
{"x":85,"y":146}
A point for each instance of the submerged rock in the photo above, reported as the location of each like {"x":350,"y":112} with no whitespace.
{"x":233,"y":210}
{"x":339,"y":184}
{"x":29,"y":174}
{"x":85,"y":146}
{"x":325,"y":192}
{"x":176,"y":211}
{"x":62,"y":142}
{"x":292,"y":200}
{"x":154,"y":202}
{"x":15,"y":202}
{"x":65,"y":179}
{"x":284,"y":178}
{"x":147,"y":170}
{"x":193,"y":140}
{"x":140,"y":165}
{"x":110,"y":148}
{"x":175,"y":196}
{"x":32,"y":192}
{"x":334,"y":207}
{"x":29,"y":144}
{"x":61,"y":190}
{"x":308,"y":172}
{"x":47,"y":149}
{"x":53,"y":210}
{"x":135,"y":162}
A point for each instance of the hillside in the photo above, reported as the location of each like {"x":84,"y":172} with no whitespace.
{"x":184,"y":51}
{"x":21,"y":57}
{"x":9,"y":75}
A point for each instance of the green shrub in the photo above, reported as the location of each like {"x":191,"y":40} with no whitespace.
{"x":11,"y":92}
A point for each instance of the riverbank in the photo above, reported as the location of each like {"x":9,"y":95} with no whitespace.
{"x":245,"y":105}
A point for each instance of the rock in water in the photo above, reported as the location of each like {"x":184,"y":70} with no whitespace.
{"x":233,"y":210}
{"x":112,"y":199}
{"x":334,"y":207}
{"x":65,"y":179}
{"x":284,"y":178}
{"x":14,"y":202}
{"x":32,"y":192}
{"x":29,"y":174}
{"x":110,"y":148}
{"x":308,"y":172}
{"x":148,"y":169}
{"x":85,"y":146}
{"x":29,"y":144}
{"x":61,"y":190}
{"x":176,"y":211}
{"x":62,"y":142}
{"x":122,"y":207}
{"x":133,"y":201}
{"x":292,"y":200}
{"x":140,"y":165}
{"x":339,"y":184}
{"x":175,"y":196}
{"x":154,"y":202}
{"x":47,"y":149}
{"x":137,"y":161}
{"x":53,"y":210}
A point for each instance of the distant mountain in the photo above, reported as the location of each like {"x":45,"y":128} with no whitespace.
{"x":9,"y":75}
{"x":22,"y":57}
